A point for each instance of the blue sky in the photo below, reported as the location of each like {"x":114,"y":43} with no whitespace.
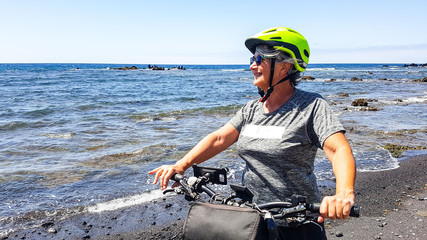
{"x":208,"y":32}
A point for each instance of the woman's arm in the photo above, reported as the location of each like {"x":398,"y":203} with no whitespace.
{"x":340,"y":155}
{"x":208,"y":147}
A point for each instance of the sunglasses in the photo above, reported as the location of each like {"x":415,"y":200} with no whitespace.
{"x":258,"y":59}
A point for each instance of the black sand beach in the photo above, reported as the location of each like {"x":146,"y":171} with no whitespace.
{"x":393,"y":206}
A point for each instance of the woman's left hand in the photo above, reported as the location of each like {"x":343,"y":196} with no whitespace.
{"x":336,"y":207}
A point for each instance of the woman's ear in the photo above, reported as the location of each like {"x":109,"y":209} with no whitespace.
{"x":284,"y":69}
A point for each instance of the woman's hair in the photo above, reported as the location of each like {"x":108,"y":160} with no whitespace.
{"x":281,"y":57}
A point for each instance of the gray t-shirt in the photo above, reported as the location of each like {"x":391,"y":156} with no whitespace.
{"x":279,"y":148}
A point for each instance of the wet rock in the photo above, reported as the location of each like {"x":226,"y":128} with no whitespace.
{"x":420,"y":80}
{"x":126,"y":68}
{"x":397,"y":150}
{"x":331,"y":80}
{"x":360,"y":102}
{"x":47,"y":224}
{"x":369,"y":109}
{"x":415,"y":65}
{"x":52,"y":230}
{"x":355,"y":79}
{"x":344,"y":95}
{"x":308,"y":78}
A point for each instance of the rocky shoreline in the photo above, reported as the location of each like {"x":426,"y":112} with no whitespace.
{"x":393,"y":205}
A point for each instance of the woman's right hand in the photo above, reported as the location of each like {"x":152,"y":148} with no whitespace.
{"x":165,"y":172}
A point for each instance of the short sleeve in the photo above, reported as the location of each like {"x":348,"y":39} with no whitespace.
{"x":323,"y":123}
{"x":238,"y":120}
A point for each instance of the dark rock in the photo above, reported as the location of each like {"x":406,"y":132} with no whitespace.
{"x":410,"y":65}
{"x":339,"y":234}
{"x":47,"y":224}
{"x":157,"y":68}
{"x":126,"y":68}
{"x":344,"y":95}
{"x":360,"y":102}
{"x":397,"y":150}
{"x":420,"y":80}
{"x":369,"y":109}
{"x":308,"y":78}
{"x":355,"y":79}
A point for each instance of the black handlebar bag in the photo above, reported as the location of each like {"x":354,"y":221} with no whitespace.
{"x":218,"y":221}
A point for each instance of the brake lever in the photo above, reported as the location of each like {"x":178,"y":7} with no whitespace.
{"x":168,"y":190}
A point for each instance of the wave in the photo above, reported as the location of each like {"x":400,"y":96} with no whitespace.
{"x":125,"y":202}
{"x":40,"y":112}
{"x":60,"y":135}
{"x":150,"y":153}
{"x":14,"y":125}
{"x":234,"y":70}
{"x":320,"y":69}
{"x":405,"y":101}
{"x":178,"y":114}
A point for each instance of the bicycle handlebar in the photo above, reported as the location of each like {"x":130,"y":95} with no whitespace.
{"x":191,"y":188}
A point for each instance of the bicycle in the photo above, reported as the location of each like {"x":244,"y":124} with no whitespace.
{"x":291,"y":212}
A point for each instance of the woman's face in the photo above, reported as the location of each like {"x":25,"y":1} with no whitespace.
{"x":261,"y":73}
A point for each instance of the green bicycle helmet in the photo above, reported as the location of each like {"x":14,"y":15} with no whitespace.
{"x":284,"y":39}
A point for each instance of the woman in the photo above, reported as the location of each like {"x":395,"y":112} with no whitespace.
{"x":279,"y":134}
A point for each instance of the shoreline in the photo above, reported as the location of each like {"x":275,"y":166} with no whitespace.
{"x":393,"y":205}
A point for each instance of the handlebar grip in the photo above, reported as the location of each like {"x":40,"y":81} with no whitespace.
{"x":177,"y":177}
{"x":354,"y":212}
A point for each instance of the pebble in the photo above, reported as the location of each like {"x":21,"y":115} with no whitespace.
{"x":339,"y":234}
{"x":52,"y":230}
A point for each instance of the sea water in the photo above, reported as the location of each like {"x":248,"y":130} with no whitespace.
{"x":82,"y":137}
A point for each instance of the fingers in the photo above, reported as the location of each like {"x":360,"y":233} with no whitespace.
{"x":347,"y":208}
{"x":158,"y":172}
{"x":335,"y":208}
{"x":163,"y":173}
{"x":320,"y":219}
{"x":165,"y":179}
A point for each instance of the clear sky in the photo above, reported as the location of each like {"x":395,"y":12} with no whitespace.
{"x":208,"y":32}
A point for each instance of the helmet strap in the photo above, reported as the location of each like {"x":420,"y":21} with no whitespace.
{"x":271,"y":89}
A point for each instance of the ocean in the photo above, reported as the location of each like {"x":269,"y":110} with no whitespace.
{"x":81,"y":137}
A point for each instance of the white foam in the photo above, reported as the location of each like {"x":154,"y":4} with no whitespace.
{"x":60,"y":135}
{"x":320,"y":69}
{"x":125,"y":202}
{"x":233,"y":70}
{"x":419,"y":99}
